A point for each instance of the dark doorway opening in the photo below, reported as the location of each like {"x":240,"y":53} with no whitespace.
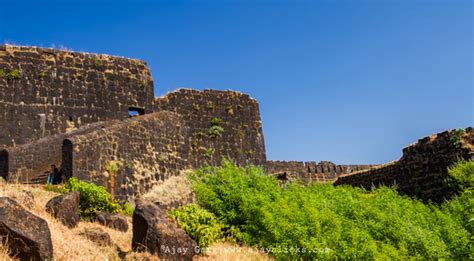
{"x":66,"y":164}
{"x":4,"y":164}
{"x":134,"y":112}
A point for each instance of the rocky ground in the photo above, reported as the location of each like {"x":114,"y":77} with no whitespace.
{"x":91,"y":240}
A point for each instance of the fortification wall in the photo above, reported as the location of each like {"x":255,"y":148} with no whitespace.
{"x":42,"y":89}
{"x":237,"y":114}
{"x":422,"y":170}
{"x":27,"y":163}
{"x":149,"y":150}
{"x":323,"y":171}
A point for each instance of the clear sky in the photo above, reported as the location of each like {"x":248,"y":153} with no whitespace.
{"x":346,"y":81}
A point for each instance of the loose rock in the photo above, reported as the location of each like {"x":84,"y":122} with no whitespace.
{"x":114,"y":221}
{"x":155,"y":232}
{"x":65,"y":208}
{"x":28,"y":236}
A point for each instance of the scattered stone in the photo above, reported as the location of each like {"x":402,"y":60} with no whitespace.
{"x":114,"y":221}
{"x":155,"y":232}
{"x":27,"y":236}
{"x":65,"y":208}
{"x":97,"y":235}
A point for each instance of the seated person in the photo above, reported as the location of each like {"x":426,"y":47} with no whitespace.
{"x":55,"y":176}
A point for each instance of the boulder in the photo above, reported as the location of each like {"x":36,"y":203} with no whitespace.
{"x":155,"y":232}
{"x":27,"y":236}
{"x":114,"y":221}
{"x":65,"y":208}
{"x":97,"y":235}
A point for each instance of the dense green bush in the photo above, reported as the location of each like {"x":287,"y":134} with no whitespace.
{"x":462,"y":207}
{"x":199,"y":224}
{"x":94,"y":199}
{"x":463,"y":174}
{"x":320,"y":221}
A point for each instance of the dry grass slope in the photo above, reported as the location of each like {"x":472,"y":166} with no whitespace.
{"x":68,"y":244}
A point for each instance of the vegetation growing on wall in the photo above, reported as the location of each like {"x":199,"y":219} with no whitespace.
{"x":321,"y":221}
{"x":215,"y":130}
{"x":456,"y":136}
{"x":13,"y":75}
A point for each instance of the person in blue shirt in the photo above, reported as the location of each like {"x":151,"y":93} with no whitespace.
{"x":54,"y":175}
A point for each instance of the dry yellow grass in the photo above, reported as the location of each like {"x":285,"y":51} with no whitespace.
{"x":68,"y":244}
{"x":174,"y":189}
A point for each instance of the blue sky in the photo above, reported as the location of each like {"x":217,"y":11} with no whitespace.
{"x":346,"y":81}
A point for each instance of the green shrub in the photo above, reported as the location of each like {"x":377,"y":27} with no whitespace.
{"x":13,"y":74}
{"x":215,"y":131}
{"x":463,"y":174}
{"x":456,"y":137}
{"x":127,"y":209}
{"x":330,"y":222}
{"x":94,"y":199}
{"x":2,"y":73}
{"x":216,"y":122}
{"x":199,"y":224}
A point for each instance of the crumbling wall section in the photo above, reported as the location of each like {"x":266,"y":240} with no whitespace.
{"x":45,"y":91}
{"x":422,"y":170}
{"x":222,"y":124}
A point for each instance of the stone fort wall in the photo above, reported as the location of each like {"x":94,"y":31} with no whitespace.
{"x":422,"y":170}
{"x":42,"y":91}
{"x":236,"y":115}
{"x":324,"y":171}
{"x":72,"y":110}
{"x":148,"y":149}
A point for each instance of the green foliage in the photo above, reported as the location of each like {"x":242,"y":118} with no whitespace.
{"x":127,"y":209}
{"x":215,"y":131}
{"x":13,"y":74}
{"x":200,"y":224}
{"x":55,"y":188}
{"x":463,"y":174}
{"x":456,"y":136}
{"x":327,"y":222}
{"x":216,"y":122}
{"x":94,"y":199}
{"x":2,"y":73}
{"x":42,"y":74}
{"x":113,"y":166}
{"x":209,"y":152}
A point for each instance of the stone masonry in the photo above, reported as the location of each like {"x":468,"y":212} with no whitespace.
{"x":88,"y":112}
{"x":72,"y":110}
{"x":324,"y":171}
{"x":422,"y":170}
{"x":43,"y":91}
